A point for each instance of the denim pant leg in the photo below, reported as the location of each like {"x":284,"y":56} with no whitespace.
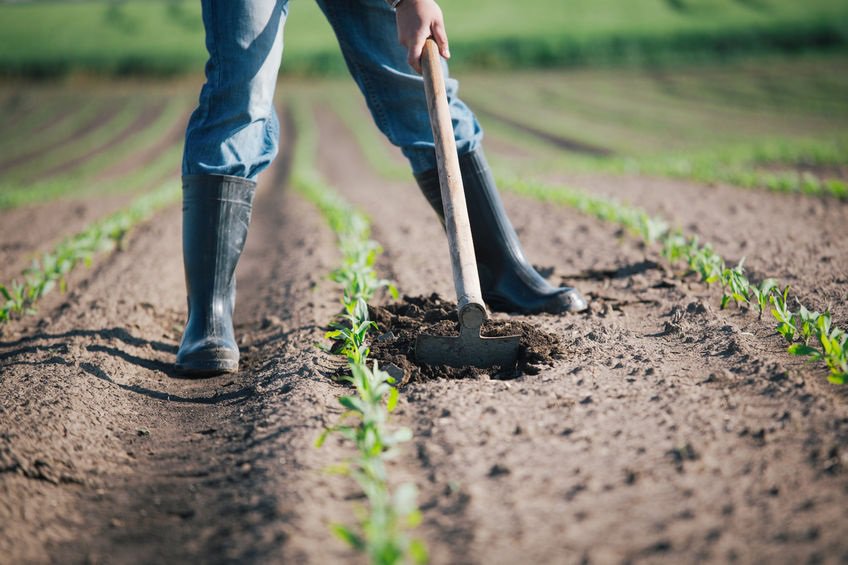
{"x":367,"y":33}
{"x":235,"y":130}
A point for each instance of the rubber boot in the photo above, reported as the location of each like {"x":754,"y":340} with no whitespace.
{"x":216,"y":216}
{"x":508,"y":281}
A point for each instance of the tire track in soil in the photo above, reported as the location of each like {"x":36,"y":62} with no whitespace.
{"x":112,"y":458}
{"x":668,"y":433}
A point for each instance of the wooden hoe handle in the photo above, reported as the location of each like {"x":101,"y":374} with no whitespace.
{"x":466,"y":280}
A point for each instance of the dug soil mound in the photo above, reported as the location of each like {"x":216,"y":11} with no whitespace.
{"x":401,"y":323}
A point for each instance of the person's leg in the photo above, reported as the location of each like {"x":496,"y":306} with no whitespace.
{"x":231,"y":137}
{"x":234,"y":130}
{"x":367,"y":33}
{"x":394,"y":92}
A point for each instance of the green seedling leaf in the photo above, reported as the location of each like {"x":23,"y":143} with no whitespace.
{"x":348,"y":536}
{"x":392,"y":401}
{"x":351,"y":403}
{"x":803,"y":350}
{"x":418,"y":552}
{"x":405,"y":499}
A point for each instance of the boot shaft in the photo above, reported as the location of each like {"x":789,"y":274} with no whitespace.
{"x":216,"y":218}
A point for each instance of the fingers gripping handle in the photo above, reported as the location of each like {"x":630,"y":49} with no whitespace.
{"x":466,"y":280}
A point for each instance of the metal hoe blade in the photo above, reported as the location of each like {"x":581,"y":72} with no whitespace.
{"x":468,"y":349}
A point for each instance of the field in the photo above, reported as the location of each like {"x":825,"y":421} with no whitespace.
{"x":165,"y":37}
{"x":696,"y":412}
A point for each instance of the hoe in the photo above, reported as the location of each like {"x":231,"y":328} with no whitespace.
{"x":469,"y":348}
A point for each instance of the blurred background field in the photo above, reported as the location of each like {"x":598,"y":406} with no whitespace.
{"x":746,"y":92}
{"x":162,"y":37}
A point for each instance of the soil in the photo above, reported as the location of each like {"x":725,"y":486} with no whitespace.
{"x":99,"y":119}
{"x":26,"y":234}
{"x":402,"y":322}
{"x":147,"y":115}
{"x":658,"y":429}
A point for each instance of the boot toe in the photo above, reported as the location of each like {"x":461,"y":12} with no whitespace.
{"x":567,"y":300}
{"x":207,"y":357}
{"x":555,"y":301}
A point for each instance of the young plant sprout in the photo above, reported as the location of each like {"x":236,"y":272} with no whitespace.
{"x":381,"y":531}
{"x":785,"y":317}
{"x":761,"y":294}
{"x":710,"y":267}
{"x":52,"y":268}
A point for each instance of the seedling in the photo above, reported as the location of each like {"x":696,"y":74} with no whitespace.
{"x":761,"y":294}
{"x":381,"y":528}
{"x":52,"y":268}
{"x":736,"y":286}
{"x":710,"y":267}
{"x":807,"y":323}
{"x":781,"y":312}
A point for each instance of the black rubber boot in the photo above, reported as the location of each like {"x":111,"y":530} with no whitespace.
{"x":508,"y":281}
{"x":216,"y":215}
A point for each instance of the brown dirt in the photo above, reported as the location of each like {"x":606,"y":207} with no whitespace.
{"x":110,"y":451}
{"x":147,"y":154}
{"x":147,"y":115}
{"x":99,"y":119}
{"x":797,"y":239}
{"x":402,"y":322}
{"x":26,"y":234}
{"x":666,"y":431}
{"x":669,"y":431}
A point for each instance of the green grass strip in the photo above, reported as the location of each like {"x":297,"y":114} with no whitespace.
{"x":809,"y":333}
{"x":151,"y":133}
{"x":777,"y":165}
{"x":54,"y":127}
{"x":12,"y":196}
{"x":747,"y":166}
{"x":134,"y":38}
{"x":50,"y":270}
{"x":381,"y":531}
{"x":79,"y":146}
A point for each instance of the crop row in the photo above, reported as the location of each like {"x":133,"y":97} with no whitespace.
{"x":810,"y":333}
{"x":778,"y":158}
{"x":780,"y":165}
{"x":97,"y":164}
{"x":50,"y":270}
{"x":779,"y":126}
{"x":76,"y":147}
{"x":381,"y":532}
{"x":636,"y":113}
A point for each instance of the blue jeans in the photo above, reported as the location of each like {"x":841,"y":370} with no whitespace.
{"x":235,"y":130}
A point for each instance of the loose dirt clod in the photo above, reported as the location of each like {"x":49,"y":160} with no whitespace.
{"x":399,"y":324}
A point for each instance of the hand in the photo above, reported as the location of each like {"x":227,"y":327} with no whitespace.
{"x":416,"y":21}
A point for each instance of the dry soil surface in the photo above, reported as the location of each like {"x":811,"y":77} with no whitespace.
{"x":665,"y":430}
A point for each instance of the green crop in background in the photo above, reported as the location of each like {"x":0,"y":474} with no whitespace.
{"x":166,"y":37}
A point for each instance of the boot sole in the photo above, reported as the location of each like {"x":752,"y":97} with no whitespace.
{"x":554,"y":305}
{"x":207,"y":368}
